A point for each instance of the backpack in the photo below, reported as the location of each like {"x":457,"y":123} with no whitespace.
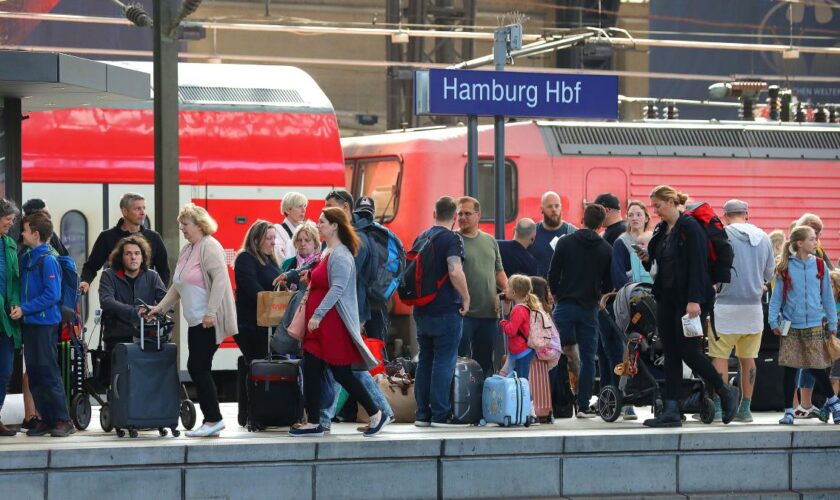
{"x":543,"y":338}
{"x":721,"y":253}
{"x":386,"y":265}
{"x":69,"y":287}
{"x":417,"y":285}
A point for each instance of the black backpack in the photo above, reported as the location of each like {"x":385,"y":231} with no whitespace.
{"x":387,"y":263}
{"x":418,"y":285}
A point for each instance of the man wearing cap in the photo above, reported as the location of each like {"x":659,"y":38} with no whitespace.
{"x":739,"y":319}
{"x":614,"y":225}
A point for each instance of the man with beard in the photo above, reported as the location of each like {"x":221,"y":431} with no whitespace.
{"x":552,"y":226}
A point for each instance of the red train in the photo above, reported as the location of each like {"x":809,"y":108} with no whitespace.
{"x":781,"y":170}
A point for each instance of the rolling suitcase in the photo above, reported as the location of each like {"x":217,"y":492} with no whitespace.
{"x":768,"y":393}
{"x":467,"y":384}
{"x":145,"y":391}
{"x":541,"y":390}
{"x":506,"y":401}
{"x":273,"y":390}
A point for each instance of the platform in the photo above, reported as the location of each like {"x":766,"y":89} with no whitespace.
{"x":569,"y":459}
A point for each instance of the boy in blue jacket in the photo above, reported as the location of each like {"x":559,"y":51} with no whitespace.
{"x":40,"y":293}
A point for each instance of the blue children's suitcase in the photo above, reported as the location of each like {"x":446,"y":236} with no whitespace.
{"x":506,"y":400}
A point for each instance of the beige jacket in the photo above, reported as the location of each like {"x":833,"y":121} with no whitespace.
{"x":220,"y":299}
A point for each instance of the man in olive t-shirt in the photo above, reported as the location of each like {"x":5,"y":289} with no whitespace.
{"x":485,"y":275}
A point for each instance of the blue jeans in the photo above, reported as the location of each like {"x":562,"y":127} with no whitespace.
{"x":804,"y":379}
{"x":370,"y":385}
{"x":477,"y":339}
{"x":580,"y":325}
{"x":522,"y":366}
{"x":41,"y":356}
{"x":7,"y":363}
{"x":610,"y":349}
{"x":438,"y":337}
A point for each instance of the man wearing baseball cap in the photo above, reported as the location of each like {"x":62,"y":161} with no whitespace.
{"x":739,"y":319}
{"x":614,"y":224}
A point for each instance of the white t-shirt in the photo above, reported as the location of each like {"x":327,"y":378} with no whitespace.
{"x":283,"y":247}
{"x":733,"y":319}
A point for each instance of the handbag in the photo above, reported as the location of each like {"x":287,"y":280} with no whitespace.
{"x":297,"y":328}
{"x":271,"y":306}
{"x":833,"y":345}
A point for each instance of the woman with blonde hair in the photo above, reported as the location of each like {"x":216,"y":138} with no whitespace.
{"x":202,"y":284}
{"x":682,"y":287}
{"x":801,"y":299}
{"x":333,"y":336}
{"x":293,"y":207}
{"x":307,"y":244}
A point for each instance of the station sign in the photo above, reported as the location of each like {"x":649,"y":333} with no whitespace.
{"x":509,"y":93}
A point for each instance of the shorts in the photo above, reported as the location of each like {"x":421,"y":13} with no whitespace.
{"x":746,"y":345}
{"x":835,"y":371}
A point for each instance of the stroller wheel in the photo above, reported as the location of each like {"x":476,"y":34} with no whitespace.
{"x":610,"y":403}
{"x":80,"y":410}
{"x":105,"y":418}
{"x":707,"y":410}
{"x":188,"y":415}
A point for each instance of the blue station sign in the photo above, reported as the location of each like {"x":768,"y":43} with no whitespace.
{"x":489,"y":93}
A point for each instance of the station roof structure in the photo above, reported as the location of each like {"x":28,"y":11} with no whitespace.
{"x":49,"y":80}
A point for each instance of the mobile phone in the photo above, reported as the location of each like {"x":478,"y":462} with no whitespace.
{"x":637,"y":247}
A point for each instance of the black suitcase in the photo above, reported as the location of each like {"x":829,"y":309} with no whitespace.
{"x":145,"y":391}
{"x":562,"y":397}
{"x":467,"y":385}
{"x":273,"y":393}
{"x":768,"y":394}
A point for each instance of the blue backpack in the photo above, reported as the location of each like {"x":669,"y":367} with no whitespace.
{"x":69,"y":287}
{"x":387,"y":263}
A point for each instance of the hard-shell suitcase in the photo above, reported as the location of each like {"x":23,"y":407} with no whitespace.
{"x":541,"y":390}
{"x":506,"y":400}
{"x":274,"y":395}
{"x":145,"y":391}
{"x":467,"y":384}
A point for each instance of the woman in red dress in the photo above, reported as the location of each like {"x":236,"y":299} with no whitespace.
{"x":333,"y":339}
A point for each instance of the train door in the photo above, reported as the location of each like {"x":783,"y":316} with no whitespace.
{"x":378,"y":178}
{"x":600,"y":180}
{"x":487,"y":192}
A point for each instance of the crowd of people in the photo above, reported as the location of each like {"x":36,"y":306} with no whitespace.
{"x":484,"y":293}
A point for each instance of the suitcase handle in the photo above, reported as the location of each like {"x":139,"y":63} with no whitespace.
{"x":115,"y":385}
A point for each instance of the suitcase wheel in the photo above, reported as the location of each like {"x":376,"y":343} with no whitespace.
{"x":132,"y":433}
{"x":506,"y":422}
{"x":120,"y":433}
{"x":163,"y":432}
{"x":482,"y":422}
{"x":175,"y":432}
{"x":105,"y":418}
{"x":188,"y":416}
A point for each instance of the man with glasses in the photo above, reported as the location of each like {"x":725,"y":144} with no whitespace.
{"x":485,"y":276}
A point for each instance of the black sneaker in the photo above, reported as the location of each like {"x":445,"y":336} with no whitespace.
{"x":41,"y":429}
{"x":31,"y":422}
{"x":449,"y":422}
{"x":63,"y":429}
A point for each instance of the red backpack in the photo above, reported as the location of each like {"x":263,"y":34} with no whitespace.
{"x":721,"y":253}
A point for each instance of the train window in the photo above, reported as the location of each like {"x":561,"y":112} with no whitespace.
{"x":487,"y":191}
{"x":380,"y":179}
{"x":74,"y":235}
{"x":349,"y":166}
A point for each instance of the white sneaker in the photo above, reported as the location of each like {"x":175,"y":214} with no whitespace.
{"x":207,"y":430}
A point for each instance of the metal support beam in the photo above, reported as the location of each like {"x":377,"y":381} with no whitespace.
{"x":11,"y":156}
{"x":472,"y":156}
{"x":500,"y":54}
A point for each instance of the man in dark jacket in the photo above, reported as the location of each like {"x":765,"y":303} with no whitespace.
{"x":133,"y":207}
{"x":124,"y":284}
{"x":578,"y":275}
{"x":516,"y":259}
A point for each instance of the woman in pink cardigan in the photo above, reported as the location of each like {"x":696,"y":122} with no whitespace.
{"x":202,"y":284}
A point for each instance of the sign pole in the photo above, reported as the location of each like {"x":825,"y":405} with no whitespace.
{"x":500,"y":48}
{"x":472,"y":156}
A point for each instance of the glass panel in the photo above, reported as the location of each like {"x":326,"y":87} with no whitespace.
{"x":348,"y":176}
{"x":74,"y":232}
{"x":380,"y":179}
{"x":487,"y":191}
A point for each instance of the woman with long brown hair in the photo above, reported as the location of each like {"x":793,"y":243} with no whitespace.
{"x":683,"y":286}
{"x":333,"y":338}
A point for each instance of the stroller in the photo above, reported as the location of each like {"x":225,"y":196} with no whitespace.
{"x":632,"y":314}
{"x":86,"y":373}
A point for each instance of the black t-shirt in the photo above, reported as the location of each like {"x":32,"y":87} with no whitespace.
{"x":131,"y":280}
{"x":516,"y":259}
{"x":611,"y":233}
{"x":666,"y":261}
{"x":447,"y":244}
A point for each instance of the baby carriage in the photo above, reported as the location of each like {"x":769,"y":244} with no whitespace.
{"x":85,"y":373}
{"x":632,"y":314}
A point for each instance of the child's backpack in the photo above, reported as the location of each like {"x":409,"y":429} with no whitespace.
{"x":418,"y":285}
{"x":543,"y":338}
{"x":721,"y":253}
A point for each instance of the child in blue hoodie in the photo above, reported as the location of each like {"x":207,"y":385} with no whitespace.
{"x":803,"y":297}
{"x":40,"y":293}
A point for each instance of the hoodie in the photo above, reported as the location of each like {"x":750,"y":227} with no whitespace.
{"x":580,"y":268}
{"x":753,"y":265}
{"x":107,"y":241}
{"x":804,"y":306}
{"x":40,"y":289}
